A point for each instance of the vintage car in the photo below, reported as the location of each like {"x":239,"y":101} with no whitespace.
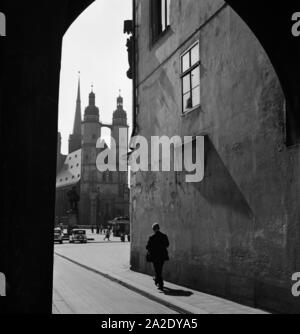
{"x":78,"y":235}
{"x":58,"y":235}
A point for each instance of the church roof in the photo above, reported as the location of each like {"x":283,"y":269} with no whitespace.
{"x":92,"y":109}
{"x":119,"y":112}
{"x":70,"y":174}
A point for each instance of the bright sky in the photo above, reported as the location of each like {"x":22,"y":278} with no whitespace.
{"x":96,"y":46}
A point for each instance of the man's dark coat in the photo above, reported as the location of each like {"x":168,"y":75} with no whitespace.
{"x":157,"y":247}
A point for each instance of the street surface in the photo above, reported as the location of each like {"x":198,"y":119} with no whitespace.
{"x":79,"y":291}
{"x":95,"y":278}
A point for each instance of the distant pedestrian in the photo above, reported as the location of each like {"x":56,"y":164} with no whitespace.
{"x":158,"y":254}
{"x":107,"y":235}
{"x":92,"y":229}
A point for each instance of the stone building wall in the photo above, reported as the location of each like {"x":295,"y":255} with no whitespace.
{"x":237,"y":233}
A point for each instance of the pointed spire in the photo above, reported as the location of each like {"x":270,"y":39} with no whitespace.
{"x":79,"y":92}
{"x":78,"y":117}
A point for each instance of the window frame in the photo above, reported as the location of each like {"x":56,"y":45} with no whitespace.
{"x":157,"y":22}
{"x":184,"y":73}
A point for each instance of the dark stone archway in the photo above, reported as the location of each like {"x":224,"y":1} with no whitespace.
{"x":29,"y":81}
{"x":271,"y":22}
{"x":30,"y":59}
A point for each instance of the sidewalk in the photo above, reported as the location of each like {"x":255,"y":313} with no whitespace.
{"x":114,"y":265}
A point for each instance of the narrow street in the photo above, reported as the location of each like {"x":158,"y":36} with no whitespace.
{"x":78,"y":291}
{"x":95,"y":278}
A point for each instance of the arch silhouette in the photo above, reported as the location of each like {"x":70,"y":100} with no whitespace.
{"x":31,"y":72}
{"x":272,"y":26}
{"x":74,"y":10}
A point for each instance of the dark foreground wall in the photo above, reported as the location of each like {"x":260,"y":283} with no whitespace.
{"x":29,"y":84}
{"x":237,"y":233}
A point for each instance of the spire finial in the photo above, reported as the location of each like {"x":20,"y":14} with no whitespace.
{"x":120,"y":100}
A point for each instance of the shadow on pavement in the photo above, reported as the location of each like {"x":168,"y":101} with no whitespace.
{"x":177,"y":293}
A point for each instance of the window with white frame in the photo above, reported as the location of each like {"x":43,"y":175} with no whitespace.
{"x":190,"y":78}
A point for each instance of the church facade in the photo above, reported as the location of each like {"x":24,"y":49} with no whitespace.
{"x":103,"y":195}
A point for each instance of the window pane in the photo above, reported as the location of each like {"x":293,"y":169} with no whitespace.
{"x":186,"y":62}
{"x":163,"y":14}
{"x":186,"y":84}
{"x":196,"y":77}
{"x":187,"y":102}
{"x":195,"y":54}
{"x":168,"y":12}
{"x":196,"y":96}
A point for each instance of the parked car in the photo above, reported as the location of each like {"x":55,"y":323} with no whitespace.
{"x":78,"y":235}
{"x":58,"y":235}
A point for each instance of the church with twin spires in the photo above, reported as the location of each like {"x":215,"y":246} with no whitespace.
{"x":103,"y":196}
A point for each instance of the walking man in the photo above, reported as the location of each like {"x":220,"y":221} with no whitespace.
{"x":107,"y":235}
{"x":158,"y":254}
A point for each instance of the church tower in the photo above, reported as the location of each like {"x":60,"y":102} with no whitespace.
{"x":75,"y":137}
{"x":120,"y":123}
{"x":91,"y":132}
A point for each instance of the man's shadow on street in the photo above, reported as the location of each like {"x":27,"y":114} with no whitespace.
{"x":177,"y":293}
